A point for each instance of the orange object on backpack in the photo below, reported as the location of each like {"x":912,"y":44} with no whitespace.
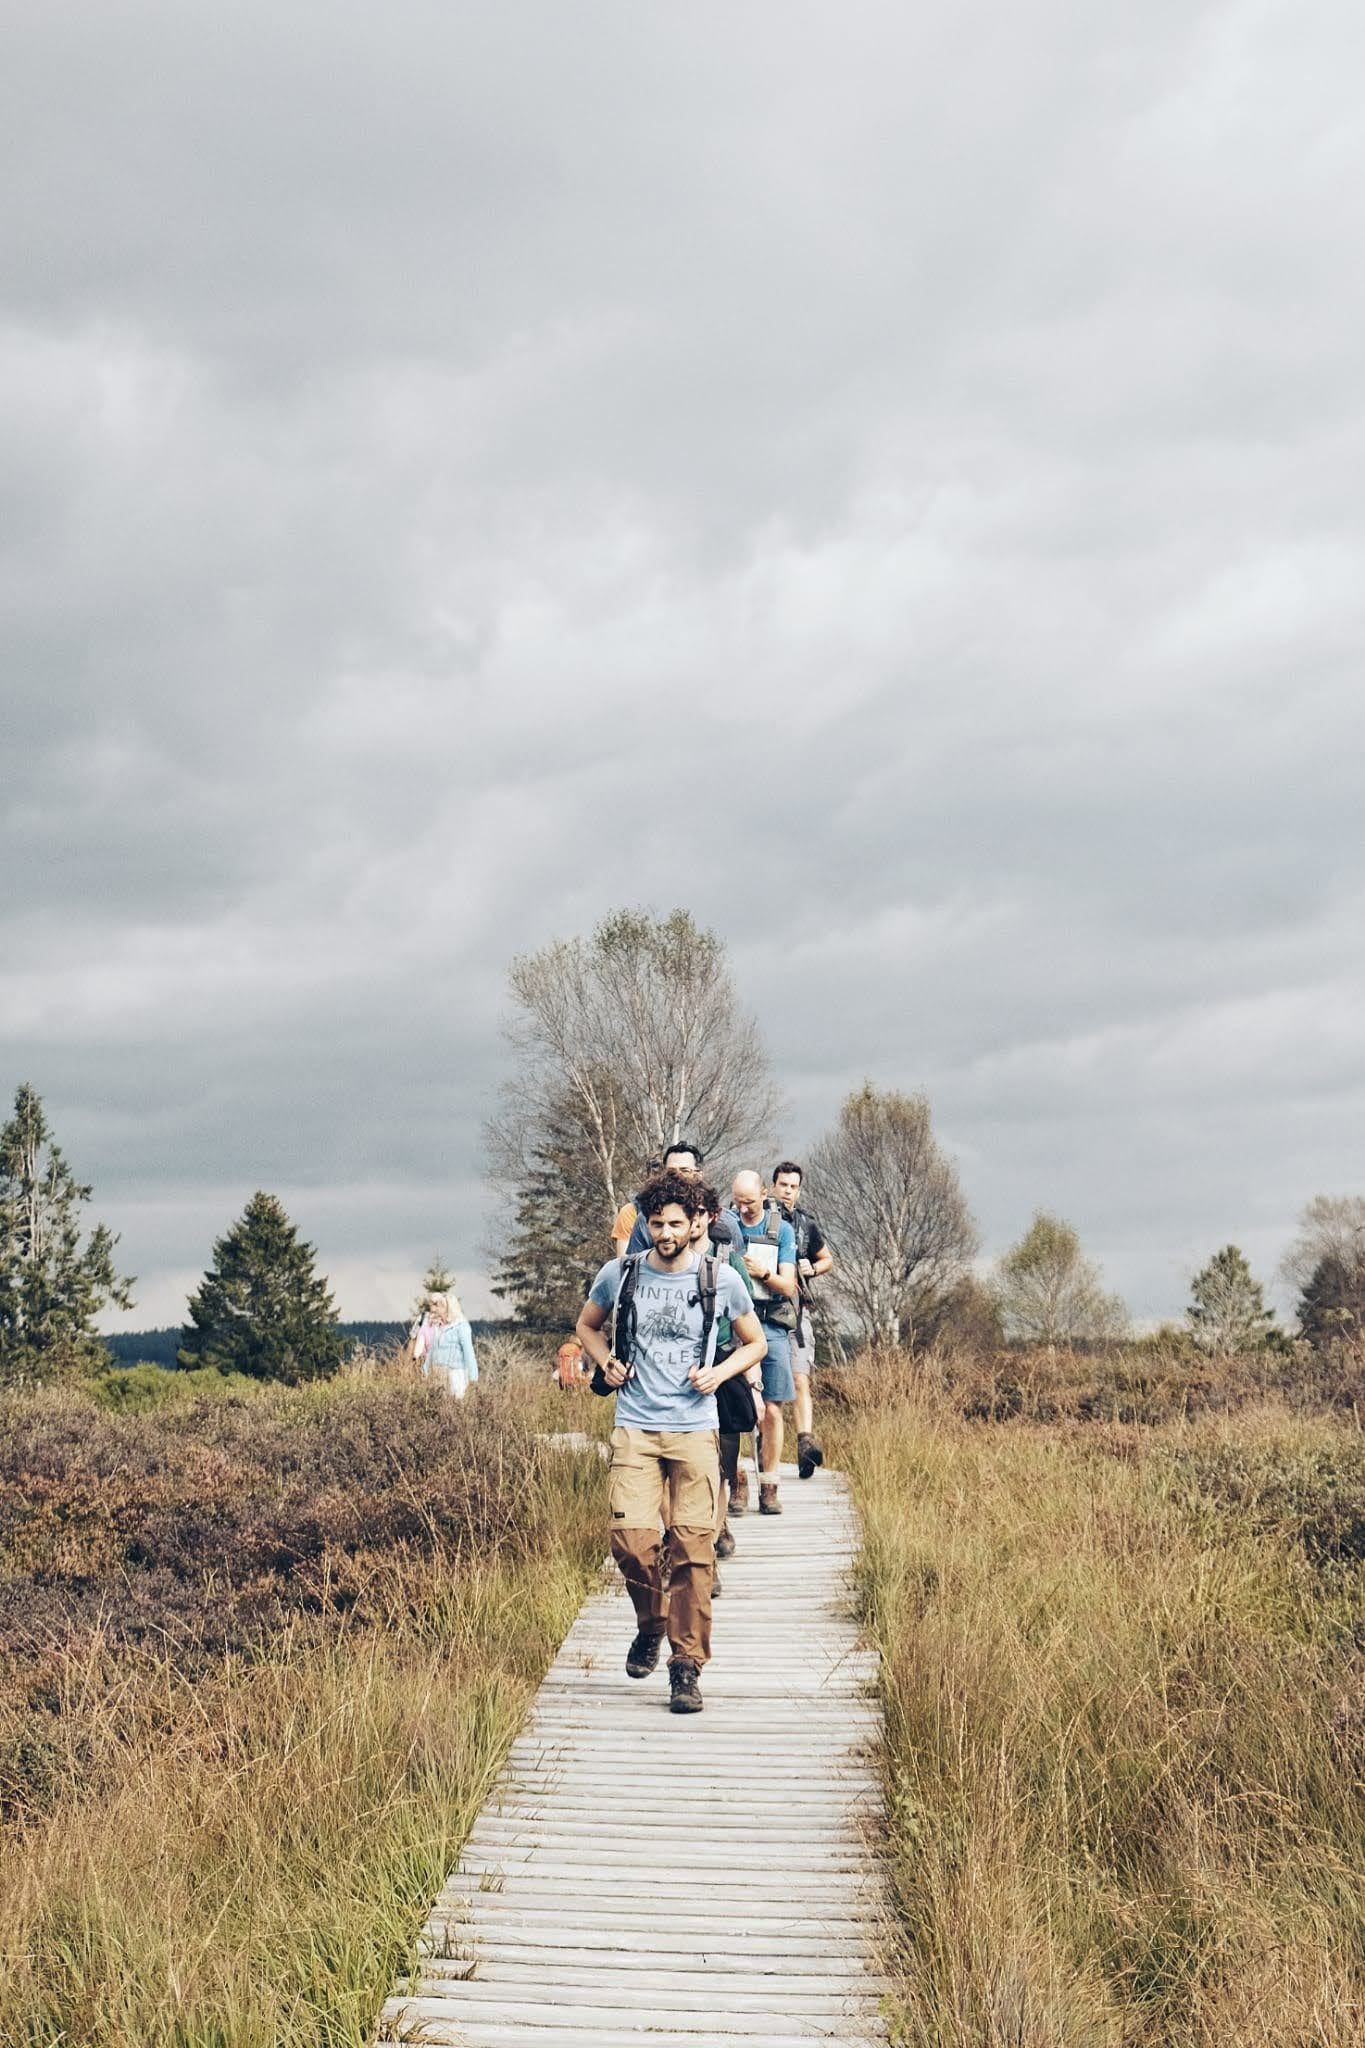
{"x":569,"y":1364}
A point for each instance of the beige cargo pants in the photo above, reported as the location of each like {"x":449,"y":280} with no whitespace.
{"x":667,"y":1479}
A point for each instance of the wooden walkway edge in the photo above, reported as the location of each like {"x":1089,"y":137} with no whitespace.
{"x":686,"y":1881}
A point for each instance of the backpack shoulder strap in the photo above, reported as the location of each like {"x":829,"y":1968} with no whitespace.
{"x":773,"y":1219}
{"x":706,"y":1288}
{"x":623,"y":1316}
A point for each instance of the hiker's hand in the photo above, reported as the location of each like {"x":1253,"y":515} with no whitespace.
{"x":706,"y":1378}
{"x":614,"y":1373}
{"x":755,"y":1265}
{"x":806,"y":1270}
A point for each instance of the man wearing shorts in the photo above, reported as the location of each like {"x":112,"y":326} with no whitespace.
{"x":813,"y":1257}
{"x":664,"y":1464}
{"x":770,"y":1255}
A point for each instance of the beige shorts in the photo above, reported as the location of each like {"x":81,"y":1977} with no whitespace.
{"x":664,"y":1477}
{"x":803,"y":1344}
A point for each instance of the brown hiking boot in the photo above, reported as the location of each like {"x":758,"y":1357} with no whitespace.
{"x":643,"y":1655}
{"x":808,"y":1455}
{"x":768,"y":1502}
{"x":684,"y":1691}
{"x":739,"y":1494}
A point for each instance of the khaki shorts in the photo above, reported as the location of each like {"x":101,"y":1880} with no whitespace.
{"x":664,"y":1477}
{"x":803,"y":1344}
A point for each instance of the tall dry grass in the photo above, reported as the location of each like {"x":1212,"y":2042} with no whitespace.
{"x":260,"y":1657}
{"x":1125,"y":1720}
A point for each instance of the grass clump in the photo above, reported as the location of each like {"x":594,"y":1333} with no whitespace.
{"x":260,"y":1657}
{"x":1122,"y":1672}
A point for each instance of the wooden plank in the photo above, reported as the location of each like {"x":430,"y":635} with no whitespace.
{"x":465,"y":2008}
{"x":436,"y":2024}
{"x":507,"y":1962}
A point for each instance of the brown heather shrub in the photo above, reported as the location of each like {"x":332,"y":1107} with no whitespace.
{"x":182,"y":1534}
{"x":1147,"y":1381}
{"x":261,"y":1654}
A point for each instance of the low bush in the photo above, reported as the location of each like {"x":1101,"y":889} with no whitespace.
{"x":1148,"y":1382}
{"x":260,"y":1656}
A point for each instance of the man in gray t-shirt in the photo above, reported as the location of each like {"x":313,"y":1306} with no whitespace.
{"x":664,"y":1469}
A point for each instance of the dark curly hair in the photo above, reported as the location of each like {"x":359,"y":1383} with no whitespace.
{"x":667,"y":1187}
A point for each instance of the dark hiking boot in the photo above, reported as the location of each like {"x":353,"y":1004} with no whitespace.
{"x":808,"y":1455}
{"x":768,"y":1502}
{"x":643,"y":1655}
{"x":685,"y":1692}
{"x":725,"y":1542}
{"x":739,"y":1494}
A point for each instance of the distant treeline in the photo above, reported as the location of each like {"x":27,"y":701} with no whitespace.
{"x":159,"y":1347}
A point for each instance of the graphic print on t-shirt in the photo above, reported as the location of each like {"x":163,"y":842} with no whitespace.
{"x":668,"y":1325}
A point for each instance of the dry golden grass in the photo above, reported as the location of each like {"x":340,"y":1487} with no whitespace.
{"x":237,"y":1837}
{"x":1124,"y":1748}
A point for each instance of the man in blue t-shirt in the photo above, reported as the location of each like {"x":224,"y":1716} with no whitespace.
{"x":664,"y":1469}
{"x":770,"y":1255}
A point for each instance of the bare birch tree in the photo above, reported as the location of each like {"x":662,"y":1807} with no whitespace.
{"x":891,"y":1205}
{"x":1331,"y":1227}
{"x":636,"y":1035}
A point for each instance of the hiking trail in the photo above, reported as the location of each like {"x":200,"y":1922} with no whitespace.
{"x":685,"y":1881}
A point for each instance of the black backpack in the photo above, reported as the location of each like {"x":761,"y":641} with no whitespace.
{"x":623,"y":1314}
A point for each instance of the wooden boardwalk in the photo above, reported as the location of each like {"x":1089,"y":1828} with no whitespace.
{"x":686,"y":1881}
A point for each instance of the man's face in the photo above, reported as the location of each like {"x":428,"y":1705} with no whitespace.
{"x":787,"y":1188}
{"x":701,"y":1229}
{"x":747,"y":1195}
{"x":670,"y":1228}
{"x":681,"y":1162}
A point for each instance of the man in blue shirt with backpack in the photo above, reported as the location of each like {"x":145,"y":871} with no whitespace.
{"x":649,"y":1327}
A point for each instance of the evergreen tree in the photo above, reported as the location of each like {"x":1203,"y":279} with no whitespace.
{"x":558,"y":1235}
{"x":1227,"y":1312}
{"x":51,"y":1285}
{"x":1332,"y":1304}
{"x":262,"y":1310}
{"x":438,"y":1279}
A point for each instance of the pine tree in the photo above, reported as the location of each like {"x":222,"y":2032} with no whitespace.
{"x":51,"y":1286}
{"x":1332,"y":1304}
{"x":438,"y":1279}
{"x":262,"y":1309}
{"x":1227,"y":1312}
{"x":558,"y":1236}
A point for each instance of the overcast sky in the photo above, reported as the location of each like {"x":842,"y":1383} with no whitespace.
{"x":887,"y":478}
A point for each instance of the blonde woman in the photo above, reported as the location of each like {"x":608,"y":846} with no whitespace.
{"x":444,"y":1344}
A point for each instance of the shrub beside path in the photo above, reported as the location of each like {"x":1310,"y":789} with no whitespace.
{"x":704,"y":1881}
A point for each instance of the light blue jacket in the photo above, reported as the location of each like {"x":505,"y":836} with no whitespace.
{"x":452,"y":1350}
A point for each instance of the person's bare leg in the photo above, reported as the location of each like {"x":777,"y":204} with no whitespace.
{"x":805,"y":1407}
{"x":772,"y":1439}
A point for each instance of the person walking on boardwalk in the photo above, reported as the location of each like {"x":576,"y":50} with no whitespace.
{"x":813,"y":1257}
{"x":443,"y":1345}
{"x":770,"y":1255}
{"x":659,"y":1359}
{"x":737,"y":1408}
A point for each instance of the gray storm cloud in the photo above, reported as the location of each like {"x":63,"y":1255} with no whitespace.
{"x":448,"y":451}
